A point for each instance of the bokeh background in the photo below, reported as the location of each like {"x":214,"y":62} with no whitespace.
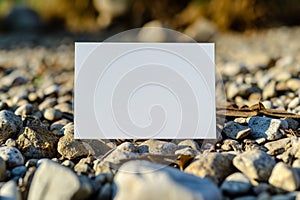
{"x":79,"y":17}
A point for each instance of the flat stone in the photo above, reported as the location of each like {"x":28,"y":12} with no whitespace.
{"x":285,"y":177}
{"x":256,"y":165}
{"x":151,"y":181}
{"x":189,"y":143}
{"x":10,"y":125}
{"x":294,"y":103}
{"x":264,"y":127}
{"x":229,"y":144}
{"x":53,"y":181}
{"x":213,"y":165}
{"x":12,"y":156}
{"x":9,"y":191}
{"x":236,"y":184}
{"x":277,"y":147}
{"x":236,"y":131}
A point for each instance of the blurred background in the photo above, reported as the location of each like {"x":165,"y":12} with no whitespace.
{"x":98,"y":19}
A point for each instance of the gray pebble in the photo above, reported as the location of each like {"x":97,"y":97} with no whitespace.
{"x":12,"y":156}
{"x":51,"y":90}
{"x":236,"y":131}
{"x":19,"y":171}
{"x":236,"y":184}
{"x":52,"y":114}
{"x":269,"y":90}
{"x":285,"y":177}
{"x":264,"y":127}
{"x":9,"y":191}
{"x":10,"y":125}
{"x":256,"y":165}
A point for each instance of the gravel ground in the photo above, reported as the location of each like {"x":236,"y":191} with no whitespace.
{"x":257,"y":157}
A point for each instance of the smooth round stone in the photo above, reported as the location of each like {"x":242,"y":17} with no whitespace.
{"x":294,"y":103}
{"x":51,"y":90}
{"x":12,"y":156}
{"x":68,"y":163}
{"x":32,"y":97}
{"x":19,"y":171}
{"x":25,"y":109}
{"x":52,"y":114}
{"x":236,"y":184}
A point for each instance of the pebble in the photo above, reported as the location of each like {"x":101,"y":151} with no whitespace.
{"x":189,"y":143}
{"x":285,"y":177}
{"x":277,"y":147}
{"x":168,"y":183}
{"x":12,"y":156}
{"x":11,"y":142}
{"x":19,"y":171}
{"x":9,"y":191}
{"x":47,"y":103}
{"x":294,"y":103}
{"x":123,"y":151}
{"x":158,"y":147}
{"x":264,"y":127}
{"x":187,"y":151}
{"x":10,"y":125}
{"x":68,"y":163}
{"x":37,"y":142}
{"x":51,"y":90}
{"x":236,"y":131}
{"x":269,"y":90}
{"x":52,"y":114}
{"x":293,"y":84}
{"x":25,"y":109}
{"x":236,"y":184}
{"x":106,"y":192}
{"x":229,"y":144}
{"x":216,"y":166}
{"x":58,"y":182}
{"x":256,"y":165}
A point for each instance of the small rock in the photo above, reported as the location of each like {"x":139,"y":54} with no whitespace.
{"x":9,"y":191}
{"x":106,"y":192}
{"x":236,"y":131}
{"x":26,"y":109}
{"x":51,"y":90}
{"x":36,"y":141}
{"x":229,"y":145}
{"x":264,"y":127}
{"x":293,"y":84}
{"x":47,"y":103}
{"x":52,"y":114}
{"x":213,"y":165}
{"x":144,"y":177}
{"x":189,"y":143}
{"x":278,"y":146}
{"x":293,"y":124}
{"x":70,"y":148}
{"x":187,"y":151}
{"x":152,"y":31}
{"x":19,"y":171}
{"x":236,"y":184}
{"x":11,"y":142}
{"x":159,"y":147}
{"x":294,"y":103}
{"x":68,"y":163}
{"x":53,"y":181}
{"x":12,"y":156}
{"x":10,"y":125}
{"x":284,"y":177}
{"x":257,"y":165}
{"x":269,"y":90}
